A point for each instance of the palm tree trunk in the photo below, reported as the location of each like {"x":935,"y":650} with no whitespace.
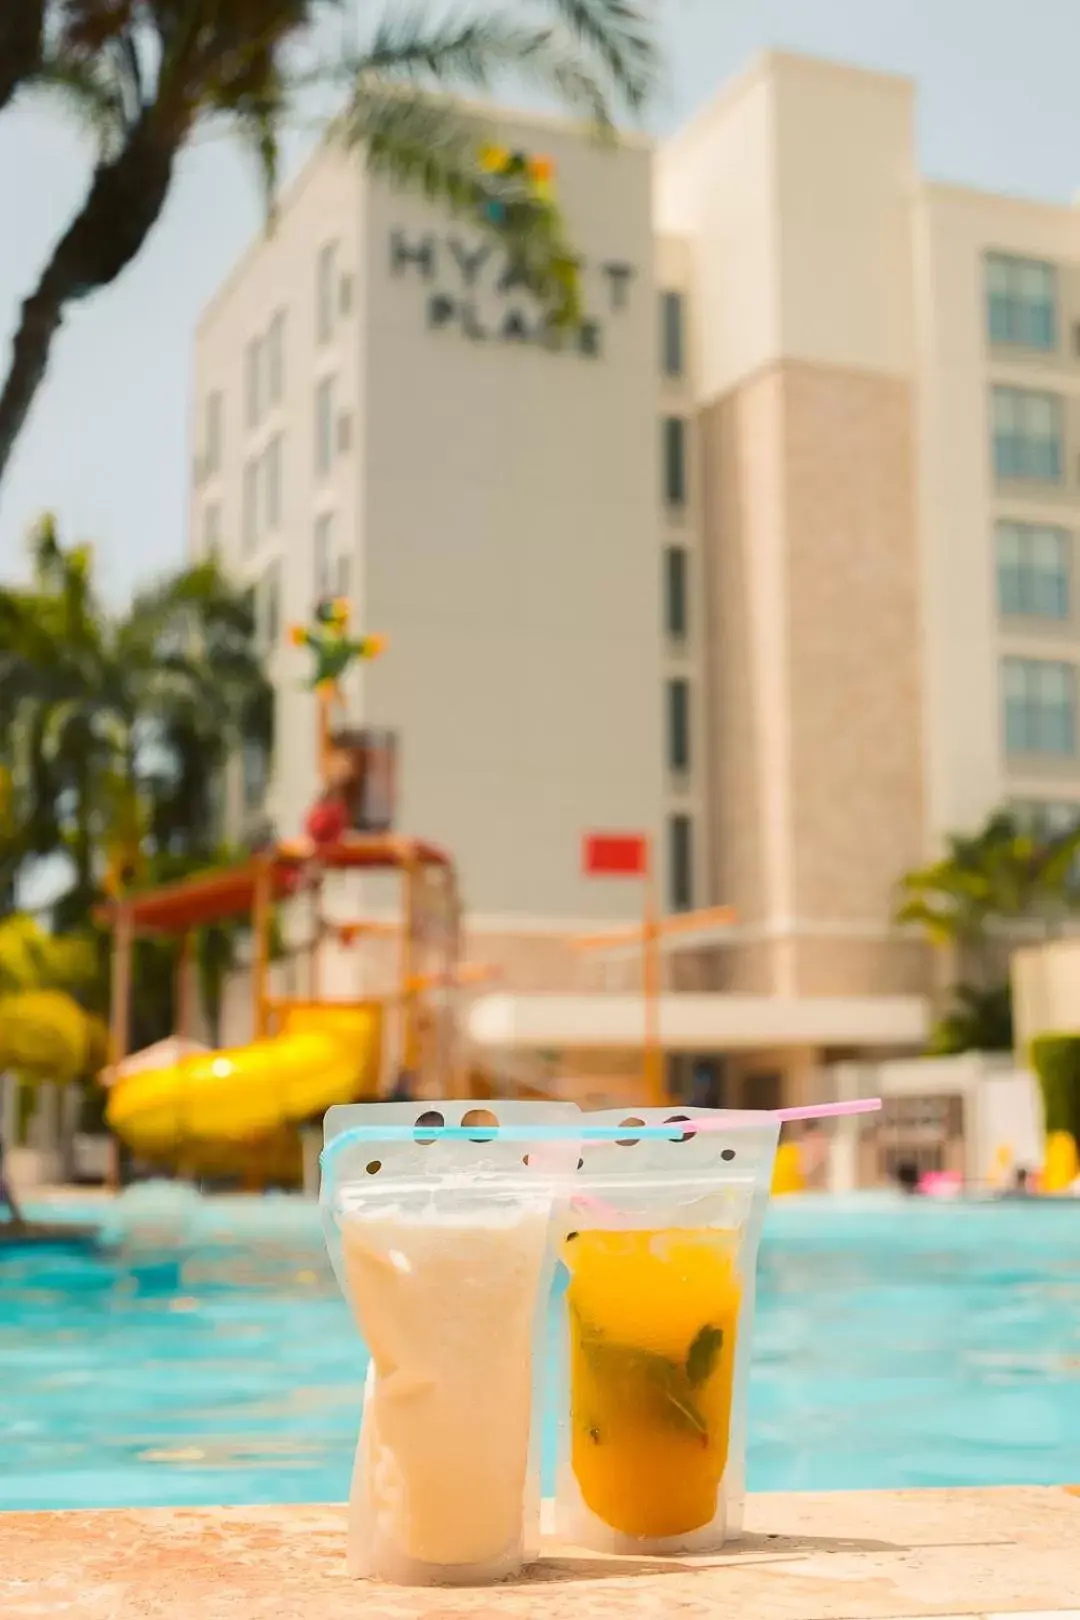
{"x":22,"y":41}
{"x":123,"y":204}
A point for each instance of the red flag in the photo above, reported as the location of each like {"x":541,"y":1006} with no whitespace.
{"x":615,"y":854}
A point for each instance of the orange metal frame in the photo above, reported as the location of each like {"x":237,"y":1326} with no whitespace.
{"x":251,"y":889}
{"x":650,"y":934}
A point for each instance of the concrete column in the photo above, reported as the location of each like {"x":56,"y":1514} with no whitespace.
{"x":311,"y":1144}
{"x":9,"y":1111}
{"x":49,"y":1131}
{"x":852,"y":1080}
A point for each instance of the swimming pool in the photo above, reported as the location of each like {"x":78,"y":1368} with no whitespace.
{"x":897,"y":1345}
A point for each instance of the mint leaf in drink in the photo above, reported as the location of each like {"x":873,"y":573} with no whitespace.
{"x":703,"y":1355}
{"x":684,"y":1414}
{"x":642,"y":1378}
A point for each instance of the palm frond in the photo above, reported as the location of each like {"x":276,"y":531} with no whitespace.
{"x":90,"y":95}
{"x":433,"y":147}
{"x":621,"y":35}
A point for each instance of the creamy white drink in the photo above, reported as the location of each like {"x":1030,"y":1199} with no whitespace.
{"x":448,"y":1307}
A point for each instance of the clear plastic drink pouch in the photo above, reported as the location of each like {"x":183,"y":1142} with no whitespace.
{"x":443,"y":1243}
{"x":661,"y":1250}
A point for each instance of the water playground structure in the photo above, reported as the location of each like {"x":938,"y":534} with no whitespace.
{"x":241,"y":1109}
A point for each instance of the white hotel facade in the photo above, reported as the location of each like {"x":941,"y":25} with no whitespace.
{"x":778,"y":562}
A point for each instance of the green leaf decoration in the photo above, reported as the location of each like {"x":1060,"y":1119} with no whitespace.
{"x":703,"y":1355}
{"x":643,"y":1378}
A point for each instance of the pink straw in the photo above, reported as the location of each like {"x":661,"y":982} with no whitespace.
{"x":745,"y":1121}
{"x":833,"y":1110}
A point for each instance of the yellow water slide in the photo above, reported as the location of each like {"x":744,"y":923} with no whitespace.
{"x":210,"y":1109}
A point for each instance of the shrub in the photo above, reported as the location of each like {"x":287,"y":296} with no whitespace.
{"x":1056,"y":1061}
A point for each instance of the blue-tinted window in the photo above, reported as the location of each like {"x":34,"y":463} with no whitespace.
{"x":1033,"y":570}
{"x":1039,"y":699}
{"x":680,"y":862}
{"x":1021,"y":299}
{"x":676,"y":592}
{"x":1028,"y":432}
{"x":674,"y":447}
{"x":678,"y":706}
{"x":672,"y":340}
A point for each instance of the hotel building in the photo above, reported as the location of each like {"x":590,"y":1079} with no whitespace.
{"x":776,"y":562}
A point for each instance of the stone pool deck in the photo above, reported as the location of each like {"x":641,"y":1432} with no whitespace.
{"x":849,"y":1556}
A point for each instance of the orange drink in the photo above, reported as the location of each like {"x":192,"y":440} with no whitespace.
{"x":653,"y":1318}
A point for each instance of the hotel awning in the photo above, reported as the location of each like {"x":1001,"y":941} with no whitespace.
{"x":696,"y":1023}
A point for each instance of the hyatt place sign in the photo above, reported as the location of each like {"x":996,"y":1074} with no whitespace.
{"x":457,"y":274}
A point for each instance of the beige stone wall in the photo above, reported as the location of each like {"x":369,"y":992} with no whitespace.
{"x":812,"y":598}
{"x":853,"y":639}
{"x":862,"y":967}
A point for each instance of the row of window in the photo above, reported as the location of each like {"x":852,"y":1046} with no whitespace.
{"x":263,"y":493}
{"x":264,"y":359}
{"x":674,"y":435}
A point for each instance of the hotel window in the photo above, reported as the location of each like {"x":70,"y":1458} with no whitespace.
{"x":275,"y":359}
{"x":674,"y":446}
{"x":671,"y":334}
{"x":255,"y":774}
{"x":680,"y":862}
{"x":1040,"y":707}
{"x":678,"y":717}
{"x":1044,"y":820}
{"x":324,"y":426}
{"x":253,"y":383}
{"x":211,"y":537}
{"x":269,"y":607}
{"x":325,"y":277}
{"x":1047,"y":821}
{"x":213,"y":446}
{"x":272,"y":482}
{"x":323,"y":538}
{"x":250,"y":518}
{"x":1033,"y":570}
{"x":1021,"y":297}
{"x":676,"y":592}
{"x":1028,"y":433}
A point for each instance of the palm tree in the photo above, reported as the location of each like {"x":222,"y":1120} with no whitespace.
{"x":46,"y":1033}
{"x":149,"y":75}
{"x":990,"y":887}
{"x":22,"y":45}
{"x":116,"y":726}
{"x":33,"y":960}
{"x":998,"y":876}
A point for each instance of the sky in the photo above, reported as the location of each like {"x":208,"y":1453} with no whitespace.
{"x":107,"y":446}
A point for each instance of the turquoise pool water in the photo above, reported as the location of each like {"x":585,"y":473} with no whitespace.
{"x":897,"y":1344}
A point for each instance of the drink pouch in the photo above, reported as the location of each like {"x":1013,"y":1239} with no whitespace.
{"x":442,"y":1241}
{"x":661,"y":1250}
